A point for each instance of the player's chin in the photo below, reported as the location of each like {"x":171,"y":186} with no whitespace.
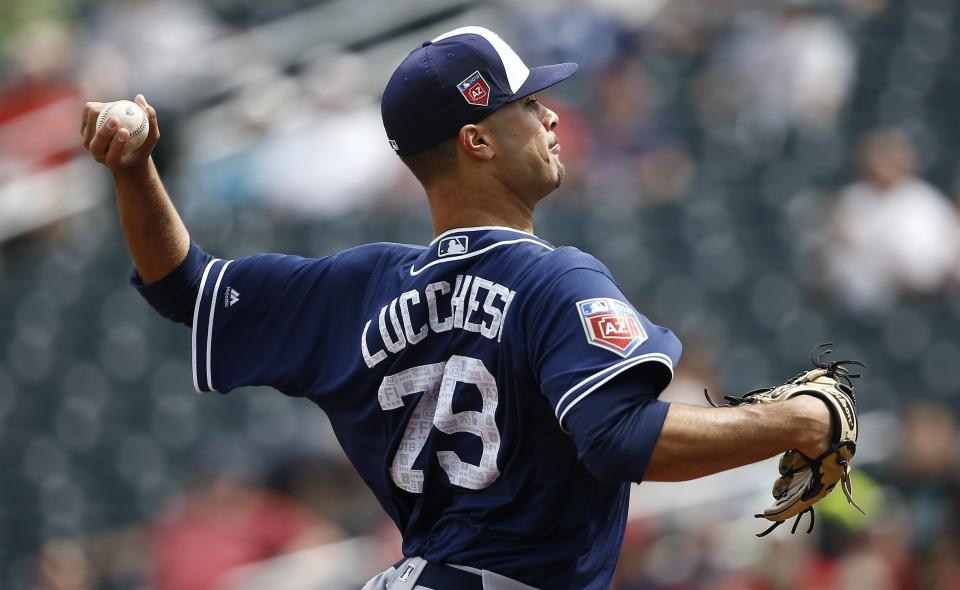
{"x":560,"y":174}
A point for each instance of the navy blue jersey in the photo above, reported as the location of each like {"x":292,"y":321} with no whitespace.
{"x":453,"y":376}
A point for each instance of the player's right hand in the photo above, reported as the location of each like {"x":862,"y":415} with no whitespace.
{"x":106,"y":144}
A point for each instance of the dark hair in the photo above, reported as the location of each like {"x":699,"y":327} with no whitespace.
{"x":432,"y":162}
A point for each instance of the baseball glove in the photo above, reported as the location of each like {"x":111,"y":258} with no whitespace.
{"x":803,"y":480}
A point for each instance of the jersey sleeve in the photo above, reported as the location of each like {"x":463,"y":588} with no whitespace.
{"x":583,"y":335}
{"x":271,"y":320}
{"x":175,"y":295}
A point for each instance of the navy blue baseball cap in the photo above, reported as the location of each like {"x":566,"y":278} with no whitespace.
{"x":459,"y":78}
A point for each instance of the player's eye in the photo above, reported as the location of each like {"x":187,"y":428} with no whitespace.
{"x":531,"y":100}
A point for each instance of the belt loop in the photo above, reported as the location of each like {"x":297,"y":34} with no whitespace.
{"x":447,"y":577}
{"x":407,"y":574}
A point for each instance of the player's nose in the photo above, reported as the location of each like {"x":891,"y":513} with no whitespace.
{"x":550,"y":119}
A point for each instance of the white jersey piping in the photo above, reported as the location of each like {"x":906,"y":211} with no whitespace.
{"x":213,"y":308}
{"x":415,"y":271}
{"x":196,"y":312}
{"x":614,"y":371}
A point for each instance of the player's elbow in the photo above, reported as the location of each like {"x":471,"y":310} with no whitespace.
{"x":613,"y":459}
{"x":621,"y":450}
{"x":608,"y":469}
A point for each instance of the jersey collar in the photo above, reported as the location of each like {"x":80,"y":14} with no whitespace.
{"x":468,"y":242}
{"x":458,"y":230}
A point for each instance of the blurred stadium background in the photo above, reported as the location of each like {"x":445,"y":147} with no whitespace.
{"x":760,"y":175}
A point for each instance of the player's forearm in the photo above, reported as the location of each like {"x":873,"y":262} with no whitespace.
{"x":697,"y":441}
{"x":156,"y":236}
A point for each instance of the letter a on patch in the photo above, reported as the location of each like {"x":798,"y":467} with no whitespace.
{"x":611,"y":324}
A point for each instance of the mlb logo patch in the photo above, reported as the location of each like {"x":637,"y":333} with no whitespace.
{"x":611,"y":324}
{"x":475,"y":89}
{"x":452,"y":245}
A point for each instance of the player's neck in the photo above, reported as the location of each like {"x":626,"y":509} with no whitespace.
{"x":500,"y":214}
{"x":453,"y":209}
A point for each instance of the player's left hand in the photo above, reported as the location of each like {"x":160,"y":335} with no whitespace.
{"x":805,"y":480}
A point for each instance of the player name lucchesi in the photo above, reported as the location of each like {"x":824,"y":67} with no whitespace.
{"x":475,"y":305}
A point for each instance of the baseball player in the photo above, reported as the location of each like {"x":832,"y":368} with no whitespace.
{"x":496,"y":393}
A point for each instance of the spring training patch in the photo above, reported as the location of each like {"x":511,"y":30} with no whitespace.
{"x":475,"y":89}
{"x":611,"y":324}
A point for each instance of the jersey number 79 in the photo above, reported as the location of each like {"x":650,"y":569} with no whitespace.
{"x":438,"y":381}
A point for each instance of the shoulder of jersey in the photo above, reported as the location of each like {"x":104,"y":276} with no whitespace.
{"x":365,"y":255}
{"x":555,"y":262}
{"x":546,"y":260}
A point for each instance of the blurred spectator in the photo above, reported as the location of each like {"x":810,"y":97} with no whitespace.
{"x":689,"y":26}
{"x":784,"y":68}
{"x":326,"y":152}
{"x":567,"y":30}
{"x":893,"y":233}
{"x":880,"y":559}
{"x":926,"y":480}
{"x":122,"y":59}
{"x":223,"y":522}
{"x":63,"y":564}
{"x":926,"y":474}
{"x":636,"y":157}
{"x":309,"y":145}
{"x":39,"y":100}
{"x":865,"y":9}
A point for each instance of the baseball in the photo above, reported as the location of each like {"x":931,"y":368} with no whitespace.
{"x":132,"y":118}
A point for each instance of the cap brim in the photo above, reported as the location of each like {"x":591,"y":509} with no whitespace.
{"x":543,"y":77}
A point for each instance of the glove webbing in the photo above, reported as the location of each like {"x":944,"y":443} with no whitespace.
{"x":845,"y":484}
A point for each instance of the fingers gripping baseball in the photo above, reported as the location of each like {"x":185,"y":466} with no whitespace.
{"x":153,"y":131}
{"x":120,"y":134}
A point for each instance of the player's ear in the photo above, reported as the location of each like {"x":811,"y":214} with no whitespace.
{"x":475,"y":141}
